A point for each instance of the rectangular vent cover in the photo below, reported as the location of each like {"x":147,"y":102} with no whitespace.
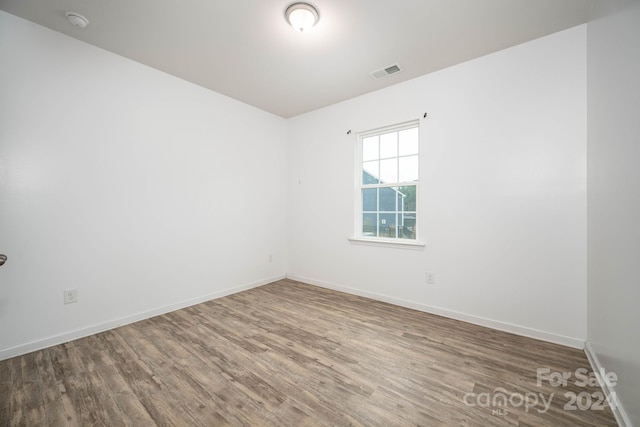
{"x":386,"y":71}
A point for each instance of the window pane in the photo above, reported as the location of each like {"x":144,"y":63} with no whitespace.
{"x":370,"y":199}
{"x":369,"y":221}
{"x":407,"y":225}
{"x":370,"y":172}
{"x":389,"y":145}
{"x":388,"y":199}
{"x":389,"y":170}
{"x":408,"y":168}
{"x":387,"y":225}
{"x":370,"y":148}
{"x":409,"y":142}
{"x":408,"y":199}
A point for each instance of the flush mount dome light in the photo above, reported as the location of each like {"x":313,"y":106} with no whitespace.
{"x":77,"y":20}
{"x":302,"y":16}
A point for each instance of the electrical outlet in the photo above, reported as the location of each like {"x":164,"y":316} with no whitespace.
{"x":270,"y":258}
{"x":70,"y":296}
{"x":430,"y":278}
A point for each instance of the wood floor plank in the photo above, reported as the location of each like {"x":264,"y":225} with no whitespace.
{"x":59,"y":365}
{"x":161,"y":401}
{"x":87,"y":400}
{"x":17,"y":406}
{"x":122,"y":395}
{"x":51,"y":398}
{"x":179,"y":370}
{"x":290,"y":354}
{"x":6,"y":389}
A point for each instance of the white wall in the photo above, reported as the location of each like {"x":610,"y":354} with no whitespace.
{"x":614,"y":197}
{"x":141,"y":190}
{"x":502,"y":196}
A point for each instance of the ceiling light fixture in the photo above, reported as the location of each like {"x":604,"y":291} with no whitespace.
{"x":302,"y":16}
{"x":77,"y":20}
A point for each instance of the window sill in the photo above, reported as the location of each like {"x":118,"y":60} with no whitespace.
{"x":389,"y":243}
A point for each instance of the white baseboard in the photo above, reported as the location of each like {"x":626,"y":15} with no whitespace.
{"x":618,"y":410}
{"x":494,"y":324}
{"x":18,"y":350}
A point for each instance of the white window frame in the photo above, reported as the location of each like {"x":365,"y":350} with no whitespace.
{"x":358,"y":237}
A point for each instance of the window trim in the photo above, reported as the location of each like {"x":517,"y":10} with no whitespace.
{"x":357,"y":237}
{"x":387,"y":242}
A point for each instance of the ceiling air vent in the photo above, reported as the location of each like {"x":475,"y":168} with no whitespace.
{"x":386,"y":71}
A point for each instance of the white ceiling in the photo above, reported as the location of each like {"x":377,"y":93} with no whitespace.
{"x":246,"y":50}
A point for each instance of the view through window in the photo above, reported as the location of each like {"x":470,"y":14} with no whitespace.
{"x":388,"y":169}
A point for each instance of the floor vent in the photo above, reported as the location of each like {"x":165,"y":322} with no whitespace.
{"x":386,"y":71}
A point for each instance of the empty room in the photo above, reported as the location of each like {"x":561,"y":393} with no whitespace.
{"x":323,"y":213}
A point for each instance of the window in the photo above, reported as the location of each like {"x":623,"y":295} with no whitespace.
{"x":388,"y":182}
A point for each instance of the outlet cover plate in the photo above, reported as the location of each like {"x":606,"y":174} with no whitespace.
{"x":70,"y":296}
{"x":430,"y":279}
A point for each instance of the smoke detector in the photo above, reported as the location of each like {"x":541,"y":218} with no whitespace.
{"x":77,"y":20}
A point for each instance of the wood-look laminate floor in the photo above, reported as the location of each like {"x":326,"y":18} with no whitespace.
{"x":290,"y":354}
